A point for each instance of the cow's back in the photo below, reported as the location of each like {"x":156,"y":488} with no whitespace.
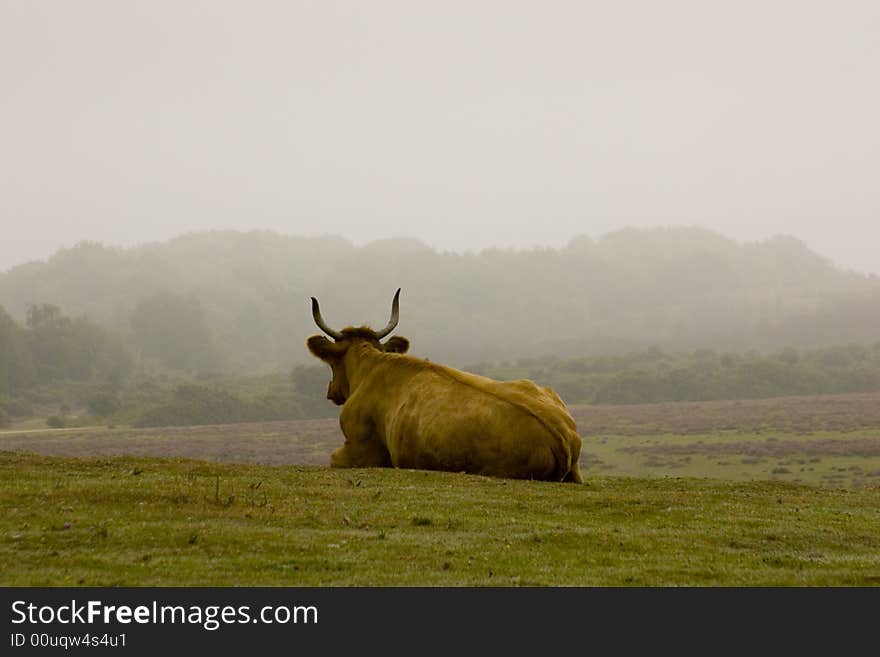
{"x":444,"y":419}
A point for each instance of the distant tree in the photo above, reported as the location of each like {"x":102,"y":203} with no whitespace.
{"x":16,"y":364}
{"x":173,"y":329}
{"x":73,"y":349}
{"x":51,"y":347}
{"x":104,"y":404}
{"x":45,"y":317}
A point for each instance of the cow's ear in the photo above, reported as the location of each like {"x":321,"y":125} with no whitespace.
{"x":324,"y":348}
{"x":396,"y":345}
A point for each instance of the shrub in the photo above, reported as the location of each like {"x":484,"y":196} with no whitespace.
{"x":192,"y":404}
{"x":55,"y":422}
{"x":104,"y":404}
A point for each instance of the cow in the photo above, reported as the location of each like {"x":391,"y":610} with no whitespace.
{"x":405,"y":412}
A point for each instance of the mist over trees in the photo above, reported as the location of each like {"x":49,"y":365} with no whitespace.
{"x":240,"y":301}
{"x":53,"y":347}
{"x":16,"y":361}
{"x":173,"y":330}
{"x":211,"y":327}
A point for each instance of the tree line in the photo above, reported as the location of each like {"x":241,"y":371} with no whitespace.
{"x":211,"y":327}
{"x":80,"y":374}
{"x":654,"y":375}
{"x":53,"y":347}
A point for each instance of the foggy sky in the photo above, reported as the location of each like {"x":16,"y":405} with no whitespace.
{"x":466,"y":124}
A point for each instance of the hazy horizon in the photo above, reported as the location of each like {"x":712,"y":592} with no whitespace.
{"x":437,"y":249}
{"x":464,"y":125}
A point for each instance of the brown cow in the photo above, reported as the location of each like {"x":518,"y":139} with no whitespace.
{"x":405,"y":412}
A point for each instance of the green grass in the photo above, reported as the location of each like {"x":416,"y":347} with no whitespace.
{"x":149,"y":521}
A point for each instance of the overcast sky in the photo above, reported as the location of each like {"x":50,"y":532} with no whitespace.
{"x":466,"y":124}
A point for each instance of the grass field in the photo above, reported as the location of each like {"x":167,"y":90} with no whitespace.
{"x":676,"y":494}
{"x":139,"y":521}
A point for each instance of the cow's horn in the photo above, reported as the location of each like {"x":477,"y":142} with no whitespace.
{"x":316,"y":314}
{"x":395,"y":317}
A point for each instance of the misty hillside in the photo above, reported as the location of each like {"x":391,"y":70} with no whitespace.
{"x":243,"y":298}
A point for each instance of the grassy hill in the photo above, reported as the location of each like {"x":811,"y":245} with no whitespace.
{"x":149,"y":521}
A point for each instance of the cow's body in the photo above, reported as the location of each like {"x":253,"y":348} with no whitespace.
{"x":405,"y":412}
{"x":408,"y":413}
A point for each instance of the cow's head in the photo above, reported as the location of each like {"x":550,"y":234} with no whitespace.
{"x":333,"y":352}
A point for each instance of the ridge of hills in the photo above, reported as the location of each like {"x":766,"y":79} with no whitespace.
{"x":672,"y":288}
